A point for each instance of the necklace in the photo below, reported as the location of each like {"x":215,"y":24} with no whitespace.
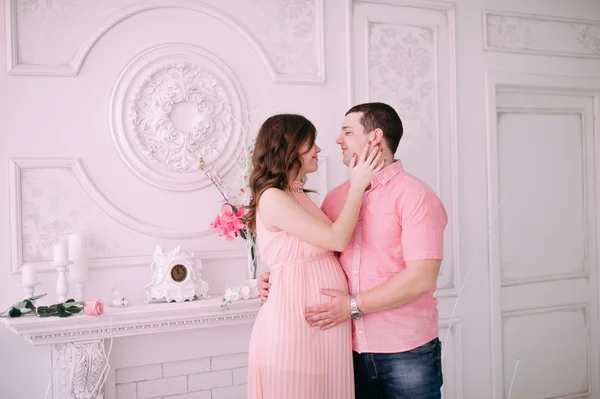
{"x":296,"y":189}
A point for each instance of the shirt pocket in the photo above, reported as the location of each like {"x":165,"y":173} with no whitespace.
{"x":380,"y":229}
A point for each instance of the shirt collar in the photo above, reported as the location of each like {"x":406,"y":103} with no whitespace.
{"x":386,"y":174}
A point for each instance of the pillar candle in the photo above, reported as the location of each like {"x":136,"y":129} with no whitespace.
{"x":61,"y":254}
{"x":78,"y":271}
{"x":29,"y":274}
{"x":77,"y":247}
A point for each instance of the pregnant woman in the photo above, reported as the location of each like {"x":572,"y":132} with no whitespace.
{"x":288,"y":359}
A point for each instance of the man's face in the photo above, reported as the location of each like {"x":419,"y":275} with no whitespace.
{"x":352,"y":139}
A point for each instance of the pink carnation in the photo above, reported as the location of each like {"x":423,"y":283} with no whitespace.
{"x":229,"y":224}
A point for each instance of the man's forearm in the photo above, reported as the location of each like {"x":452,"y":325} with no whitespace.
{"x":406,"y":286}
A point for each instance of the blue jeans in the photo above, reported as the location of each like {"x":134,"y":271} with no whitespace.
{"x":414,"y":374}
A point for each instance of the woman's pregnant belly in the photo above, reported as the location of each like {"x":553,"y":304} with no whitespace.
{"x":297,"y":286}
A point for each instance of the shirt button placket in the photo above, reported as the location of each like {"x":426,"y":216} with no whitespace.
{"x":362,"y":340}
{"x":356,"y":282}
{"x":355,"y":278}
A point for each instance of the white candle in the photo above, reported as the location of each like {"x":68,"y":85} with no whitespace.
{"x":61,"y":254}
{"x":29,"y":274}
{"x":79,"y":270}
{"x":77,"y":247}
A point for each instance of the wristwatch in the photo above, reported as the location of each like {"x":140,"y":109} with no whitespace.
{"x":355,"y":313}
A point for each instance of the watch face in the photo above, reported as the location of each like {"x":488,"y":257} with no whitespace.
{"x":179,"y":273}
{"x":356,"y":316}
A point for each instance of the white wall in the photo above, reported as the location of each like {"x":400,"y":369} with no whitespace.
{"x":57,"y":100}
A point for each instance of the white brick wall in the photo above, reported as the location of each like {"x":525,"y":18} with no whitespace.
{"x":217,"y":377}
{"x":193,"y":395}
{"x":141,"y":373}
{"x":240,"y":376}
{"x":229,"y":361}
{"x":233,"y":392}
{"x":186,"y":367}
{"x":161,"y":387}
{"x":127,"y":390}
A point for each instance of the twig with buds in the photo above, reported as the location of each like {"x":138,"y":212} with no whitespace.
{"x":467,"y":277}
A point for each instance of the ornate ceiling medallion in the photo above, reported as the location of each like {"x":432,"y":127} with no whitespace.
{"x":172,"y":105}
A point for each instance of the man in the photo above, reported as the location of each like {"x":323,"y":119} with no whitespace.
{"x":392,"y":263}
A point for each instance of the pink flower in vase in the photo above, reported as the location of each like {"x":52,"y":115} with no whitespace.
{"x":229,"y":223}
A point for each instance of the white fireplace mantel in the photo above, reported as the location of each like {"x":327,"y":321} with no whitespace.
{"x":134,"y":319}
{"x":78,"y":354}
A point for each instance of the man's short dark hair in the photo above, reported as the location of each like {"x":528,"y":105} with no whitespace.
{"x":384,"y":117}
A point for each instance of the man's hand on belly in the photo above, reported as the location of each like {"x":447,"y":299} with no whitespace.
{"x":328,"y":315}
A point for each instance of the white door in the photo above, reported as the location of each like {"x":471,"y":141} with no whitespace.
{"x":543,"y":219}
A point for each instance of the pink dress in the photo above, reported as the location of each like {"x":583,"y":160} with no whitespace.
{"x":289,"y":359}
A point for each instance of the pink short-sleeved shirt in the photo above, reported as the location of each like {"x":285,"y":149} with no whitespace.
{"x":401,"y":219}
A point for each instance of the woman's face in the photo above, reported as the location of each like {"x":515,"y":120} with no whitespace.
{"x":309,"y":158}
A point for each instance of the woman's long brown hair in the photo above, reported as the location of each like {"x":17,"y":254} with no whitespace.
{"x":276,"y":159}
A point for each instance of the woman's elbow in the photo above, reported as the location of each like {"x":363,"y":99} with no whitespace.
{"x":339,"y":244}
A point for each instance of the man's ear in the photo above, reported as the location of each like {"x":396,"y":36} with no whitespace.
{"x":377,"y":136}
